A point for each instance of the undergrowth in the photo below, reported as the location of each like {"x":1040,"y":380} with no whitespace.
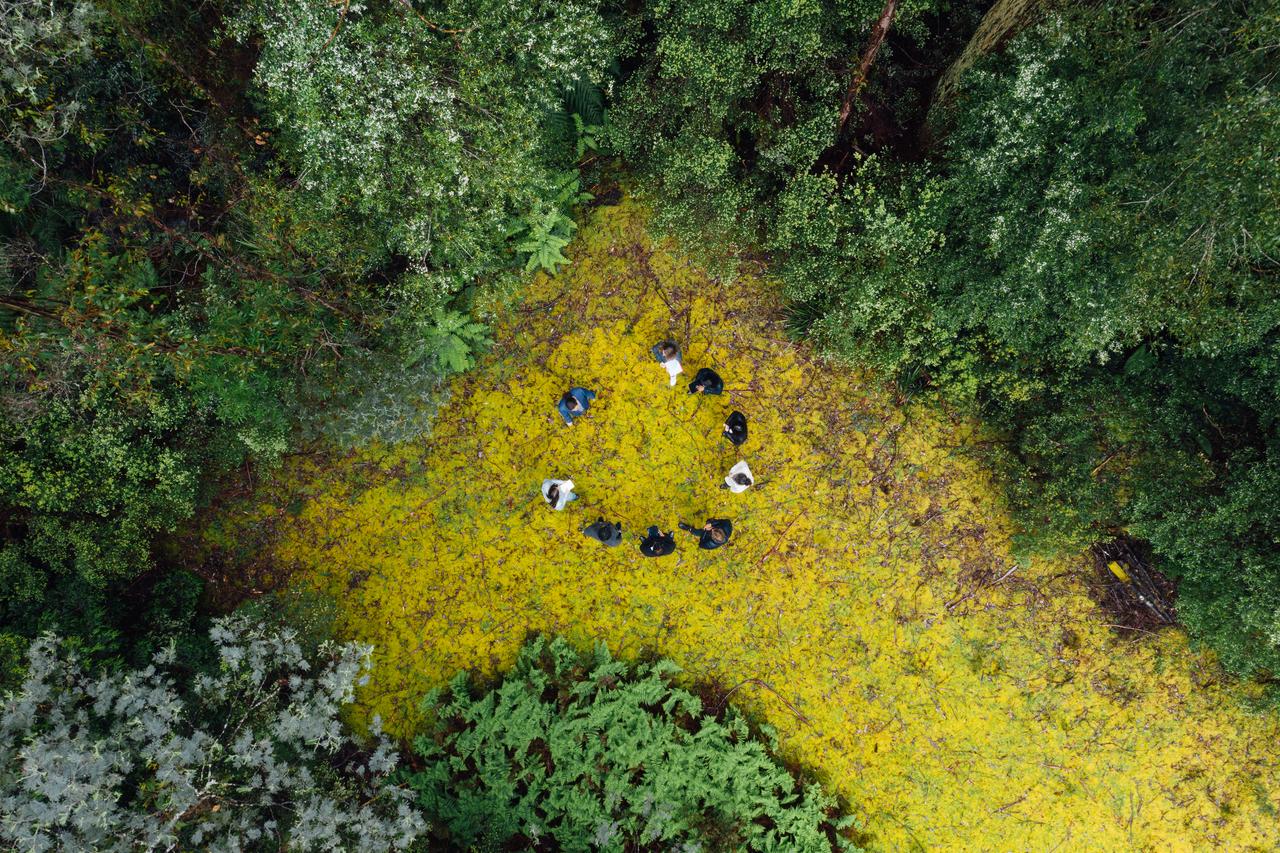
{"x":867,"y":607}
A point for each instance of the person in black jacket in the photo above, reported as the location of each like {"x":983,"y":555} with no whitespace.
{"x":606,"y":532}
{"x":711,"y":535}
{"x":735,"y":429}
{"x":706,"y":381}
{"x":657,"y":543}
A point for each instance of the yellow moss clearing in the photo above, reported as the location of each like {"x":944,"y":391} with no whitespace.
{"x":957,"y":700}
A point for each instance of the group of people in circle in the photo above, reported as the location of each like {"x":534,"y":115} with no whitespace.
{"x":575,"y":402}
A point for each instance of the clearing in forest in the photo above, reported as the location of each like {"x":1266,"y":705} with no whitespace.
{"x":867,"y":608}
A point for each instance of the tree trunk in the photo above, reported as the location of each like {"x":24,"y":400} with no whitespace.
{"x":1004,"y":20}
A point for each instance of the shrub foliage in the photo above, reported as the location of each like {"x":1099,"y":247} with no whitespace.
{"x":585,"y":752}
{"x":249,"y":756}
{"x":226,"y":232}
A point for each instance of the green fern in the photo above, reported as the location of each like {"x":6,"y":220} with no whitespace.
{"x":455,"y":340}
{"x":587,"y":136}
{"x":585,"y":99}
{"x":580,"y":121}
{"x":543,"y":233}
{"x":548,"y":233}
{"x":583,"y":752}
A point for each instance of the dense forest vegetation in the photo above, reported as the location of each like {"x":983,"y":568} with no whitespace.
{"x":237,"y":233}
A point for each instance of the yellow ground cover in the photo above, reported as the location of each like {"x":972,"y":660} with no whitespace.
{"x":867,"y":607}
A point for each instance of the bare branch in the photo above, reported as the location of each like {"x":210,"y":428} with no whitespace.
{"x":431,"y":26}
{"x":859,"y":78}
{"x":342,"y":16}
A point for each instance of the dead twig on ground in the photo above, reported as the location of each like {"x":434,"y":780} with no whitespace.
{"x":783,"y":536}
{"x":761,"y":683}
{"x":979,"y":588}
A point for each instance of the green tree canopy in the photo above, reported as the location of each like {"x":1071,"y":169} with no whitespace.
{"x":424,"y":131}
{"x":1092,"y":259}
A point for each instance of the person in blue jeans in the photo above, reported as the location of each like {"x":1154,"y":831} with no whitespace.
{"x":711,"y":535}
{"x":668,"y":354}
{"x":574,"y":404}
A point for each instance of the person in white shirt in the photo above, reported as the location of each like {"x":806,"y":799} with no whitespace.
{"x":669,"y":354}
{"x":558,"y":493}
{"x":739,"y":479}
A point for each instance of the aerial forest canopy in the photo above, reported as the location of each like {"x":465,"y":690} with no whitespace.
{"x":260,"y":258}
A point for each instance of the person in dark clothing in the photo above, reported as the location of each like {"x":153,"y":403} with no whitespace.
{"x":657,"y":543}
{"x":574,"y":404}
{"x":711,"y":535}
{"x":735,"y":429}
{"x":606,"y":532}
{"x":706,"y":381}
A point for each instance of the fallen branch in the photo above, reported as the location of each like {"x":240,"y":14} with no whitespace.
{"x":759,"y":683}
{"x":1009,"y":805}
{"x":1128,"y":628}
{"x":979,"y":588}
{"x":774,"y":549}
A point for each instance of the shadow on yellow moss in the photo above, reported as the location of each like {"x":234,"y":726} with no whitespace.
{"x":867,"y":599}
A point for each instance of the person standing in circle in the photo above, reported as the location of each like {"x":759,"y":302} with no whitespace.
{"x":706,"y":381}
{"x":711,"y":535}
{"x":608,"y":533}
{"x":574,"y":404}
{"x":735,"y":429}
{"x":657,"y":544}
{"x":558,"y":493}
{"x":668,"y":353}
{"x":739,"y":478}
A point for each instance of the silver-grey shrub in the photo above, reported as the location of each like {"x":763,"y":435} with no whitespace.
{"x":252,"y":755}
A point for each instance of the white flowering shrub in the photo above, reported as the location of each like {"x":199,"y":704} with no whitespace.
{"x":425,"y":129}
{"x":249,"y":756}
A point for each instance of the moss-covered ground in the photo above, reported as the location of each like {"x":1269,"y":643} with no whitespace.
{"x":867,"y":608}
